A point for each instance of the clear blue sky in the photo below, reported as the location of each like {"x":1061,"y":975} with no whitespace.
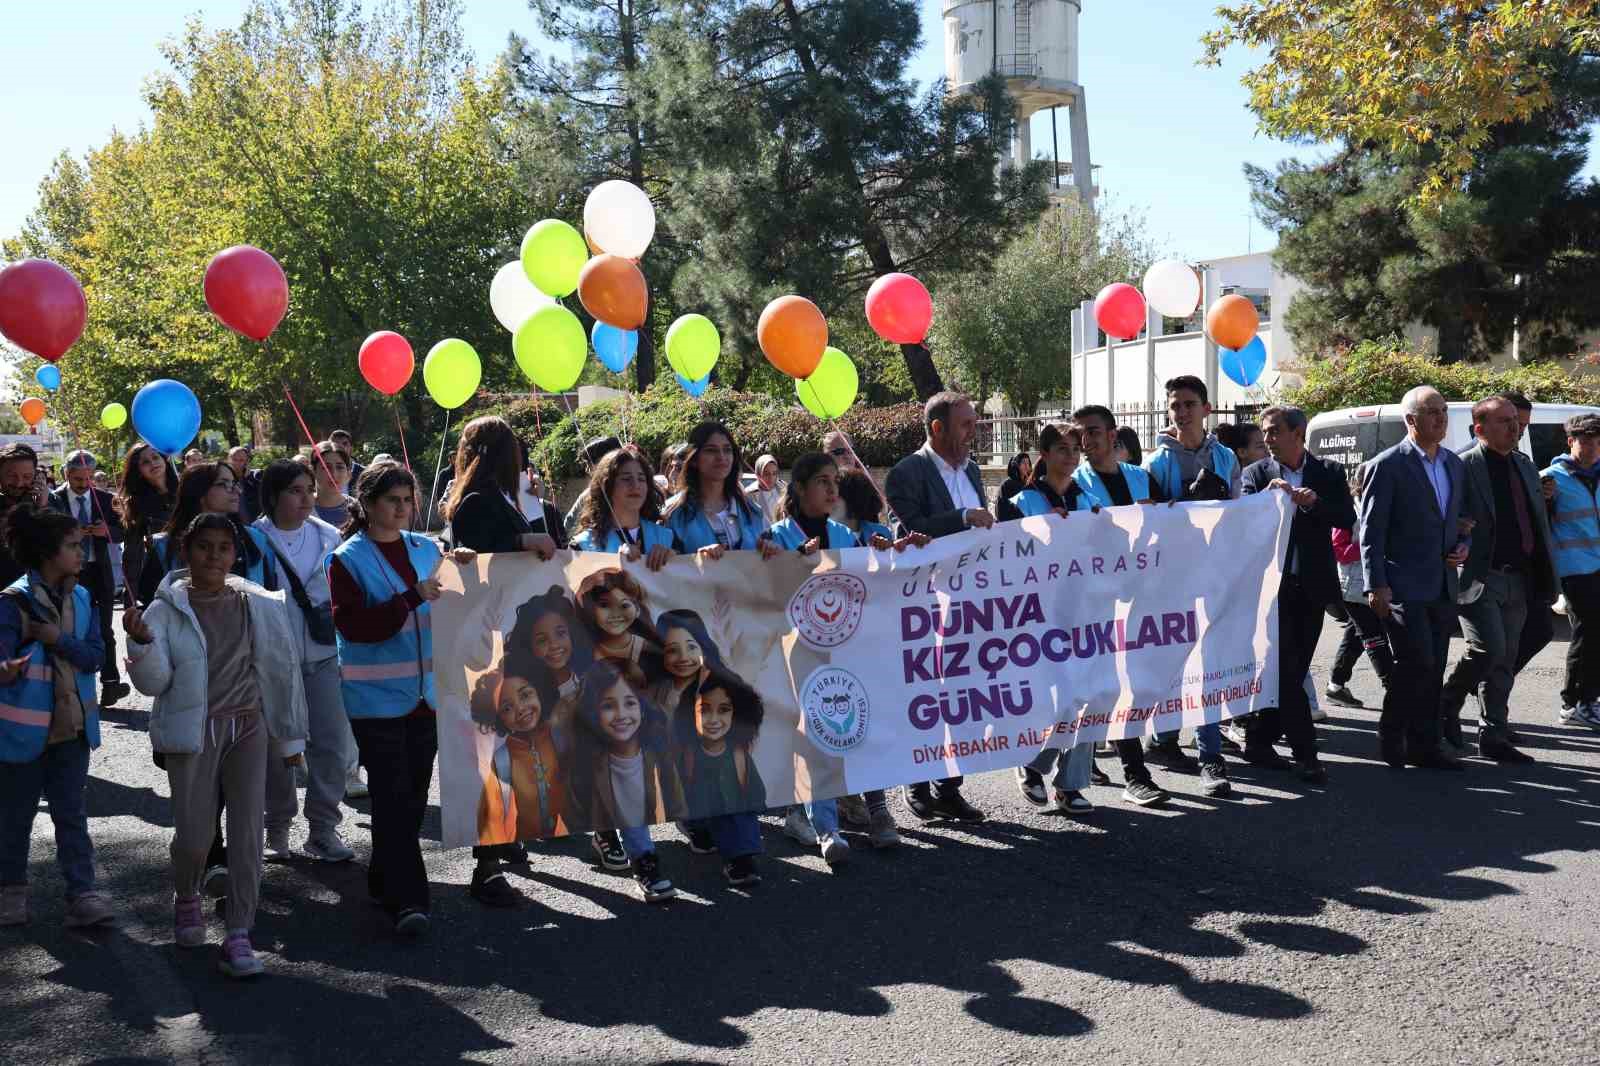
{"x":1168,"y":136}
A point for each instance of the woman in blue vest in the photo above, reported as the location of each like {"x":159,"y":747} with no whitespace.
{"x":50,"y":654}
{"x":1052,"y":490}
{"x":208,"y":488}
{"x":710,"y":514}
{"x":382,"y":579}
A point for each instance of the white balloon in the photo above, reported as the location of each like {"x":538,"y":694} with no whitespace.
{"x":619,"y":219}
{"x":513,"y":297}
{"x":1172,"y":288}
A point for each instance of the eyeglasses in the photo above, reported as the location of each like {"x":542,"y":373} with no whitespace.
{"x":838,"y":453}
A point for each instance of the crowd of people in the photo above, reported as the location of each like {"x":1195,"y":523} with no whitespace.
{"x":280,"y":619}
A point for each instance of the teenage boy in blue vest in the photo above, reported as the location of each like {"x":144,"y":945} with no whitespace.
{"x":1192,"y":465}
{"x":50,"y":652}
{"x":1575,"y":532}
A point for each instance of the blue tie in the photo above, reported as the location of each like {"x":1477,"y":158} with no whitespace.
{"x":85,"y":521}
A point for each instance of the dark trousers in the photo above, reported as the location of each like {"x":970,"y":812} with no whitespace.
{"x":1362,"y":632}
{"x":1538,"y":631}
{"x":1492,"y":625}
{"x":1131,"y":752}
{"x":1419,"y":635}
{"x":1583,"y":612}
{"x":96,"y":580}
{"x":61,"y":775}
{"x":1299,"y":628}
{"x":944,"y":786}
{"x":398,"y":754}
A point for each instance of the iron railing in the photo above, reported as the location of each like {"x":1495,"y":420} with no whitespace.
{"x":1002,"y":437}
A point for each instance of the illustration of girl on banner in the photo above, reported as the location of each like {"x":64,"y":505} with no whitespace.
{"x":525,"y":791}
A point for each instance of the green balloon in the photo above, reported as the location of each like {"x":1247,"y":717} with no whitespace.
{"x":451,"y":372}
{"x":693,"y":345}
{"x":113,"y":415}
{"x":831,"y":388}
{"x":551,"y":346}
{"x":553,"y":254}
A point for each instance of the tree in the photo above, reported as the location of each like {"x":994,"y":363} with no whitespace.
{"x":1006,"y":329}
{"x":803,"y":162}
{"x":583,"y":122}
{"x":359,"y":150}
{"x":1421,"y":81}
{"x":1514,"y":250}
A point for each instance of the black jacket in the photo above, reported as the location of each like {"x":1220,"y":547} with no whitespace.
{"x":101,"y":508}
{"x":1311,"y":534}
{"x":486,"y":522}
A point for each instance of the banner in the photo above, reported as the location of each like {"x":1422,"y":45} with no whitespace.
{"x":742,"y":684}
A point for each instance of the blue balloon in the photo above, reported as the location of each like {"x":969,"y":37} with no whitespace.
{"x":614,"y":347}
{"x":49,"y":376}
{"x":1246,"y":364}
{"x":167,"y":414}
{"x":694,"y":388}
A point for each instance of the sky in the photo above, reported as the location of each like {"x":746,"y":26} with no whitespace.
{"x":1167,"y":136}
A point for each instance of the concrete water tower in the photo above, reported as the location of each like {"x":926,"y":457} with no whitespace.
{"x":1033,"y":44}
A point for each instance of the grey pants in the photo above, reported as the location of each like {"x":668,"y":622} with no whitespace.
{"x":329,"y":750}
{"x":1493,"y":627}
{"x":234,"y":756}
{"x":1071,"y":767}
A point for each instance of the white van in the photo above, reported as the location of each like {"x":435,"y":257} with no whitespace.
{"x":1356,"y":434}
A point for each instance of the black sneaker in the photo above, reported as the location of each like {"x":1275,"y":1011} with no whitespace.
{"x":1098,"y":776}
{"x":1341,"y":695}
{"x":700,"y":842}
{"x":1031,"y":784}
{"x":1266,"y":759}
{"x":411,"y":922}
{"x":515,"y":853}
{"x":741,"y":872}
{"x":607,"y":846}
{"x":1311,"y":772}
{"x":1144,"y":794}
{"x":1214,"y":779}
{"x":919,"y":800}
{"x":112,"y":691}
{"x":490,"y":888}
{"x":647,"y":875}
{"x":1229,"y":746}
{"x":953,"y":806}
{"x":1171,"y":757}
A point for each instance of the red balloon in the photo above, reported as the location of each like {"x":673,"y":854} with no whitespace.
{"x":246,"y":290}
{"x":899,"y":309}
{"x":42,"y":309}
{"x":1119,"y":310}
{"x":386,"y":361}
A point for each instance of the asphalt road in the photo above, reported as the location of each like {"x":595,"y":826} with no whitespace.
{"x":1412,"y":916}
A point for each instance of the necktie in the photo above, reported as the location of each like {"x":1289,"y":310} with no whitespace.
{"x":1519,"y":503}
{"x":85,"y":521}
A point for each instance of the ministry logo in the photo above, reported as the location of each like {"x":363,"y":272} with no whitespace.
{"x":834,"y":702}
{"x":826,"y":610}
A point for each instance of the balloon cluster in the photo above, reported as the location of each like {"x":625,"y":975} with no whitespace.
{"x":1172,"y":289}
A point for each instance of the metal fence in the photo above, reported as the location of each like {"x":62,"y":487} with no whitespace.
{"x":1001,"y":438}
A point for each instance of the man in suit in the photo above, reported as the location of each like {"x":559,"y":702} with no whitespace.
{"x":249,"y":482}
{"x":1508,"y":574}
{"x":102,"y":527}
{"x":1411,"y":544}
{"x":1310,"y":581}
{"x":937,"y":490}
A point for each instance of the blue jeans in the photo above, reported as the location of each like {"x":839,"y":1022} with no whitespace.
{"x":734,"y":834}
{"x":1208,"y":742}
{"x":61,"y":775}
{"x":824,"y":816}
{"x":636,"y":841}
{"x":1071,"y":767}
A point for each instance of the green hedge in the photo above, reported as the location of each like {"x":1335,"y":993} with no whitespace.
{"x":1377,"y":372}
{"x":665,"y":414}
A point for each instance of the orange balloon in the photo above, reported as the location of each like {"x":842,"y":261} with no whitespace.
{"x":613,"y":291}
{"x":792,"y":334}
{"x":594,"y":249}
{"x":1232,"y":321}
{"x":32,"y":410}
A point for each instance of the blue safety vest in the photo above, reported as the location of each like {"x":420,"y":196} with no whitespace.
{"x":650,"y":535}
{"x":1032,"y":503}
{"x":786,"y":533}
{"x":1094,"y":490}
{"x":1576,"y":526}
{"x":26,"y":704}
{"x":683,"y":517}
{"x":869,"y":530}
{"x":1164,"y":468}
{"x":387,"y":679}
{"x":257,"y":571}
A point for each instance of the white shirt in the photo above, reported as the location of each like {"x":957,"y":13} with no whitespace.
{"x":1295,"y":478}
{"x":962,"y":495}
{"x":627,"y":785}
{"x":303,"y":548}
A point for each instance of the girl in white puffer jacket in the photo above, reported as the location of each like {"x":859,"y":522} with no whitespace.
{"x":217,"y":653}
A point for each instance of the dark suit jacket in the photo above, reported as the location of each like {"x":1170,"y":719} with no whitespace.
{"x":486,"y":522}
{"x":1404,"y":535}
{"x":1479,"y":506}
{"x":100,"y":509}
{"x":1311,"y":532}
{"x":920,"y":500}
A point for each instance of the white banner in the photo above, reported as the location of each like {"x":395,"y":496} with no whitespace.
{"x":873,"y":669}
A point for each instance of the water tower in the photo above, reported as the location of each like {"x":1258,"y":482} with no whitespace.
{"x":1033,"y":44}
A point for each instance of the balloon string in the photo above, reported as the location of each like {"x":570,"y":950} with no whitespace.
{"x":393,"y":403}
{"x":438,"y":466}
{"x":266,"y":349}
{"x":583,"y":456}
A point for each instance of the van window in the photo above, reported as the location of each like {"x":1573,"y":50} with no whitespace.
{"x":1354,"y":441}
{"x":1546,"y":440}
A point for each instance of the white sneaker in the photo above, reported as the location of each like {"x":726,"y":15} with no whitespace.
{"x":834,"y":848}
{"x":327,"y":845}
{"x":798,"y":828}
{"x":354,"y":787}
{"x":278,"y":849}
{"x":1560,"y":606}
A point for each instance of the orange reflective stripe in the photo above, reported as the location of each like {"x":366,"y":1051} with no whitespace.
{"x":23,"y":716}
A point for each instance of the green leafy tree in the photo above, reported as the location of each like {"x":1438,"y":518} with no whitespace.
{"x":803,"y":161}
{"x":1005,"y":329}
